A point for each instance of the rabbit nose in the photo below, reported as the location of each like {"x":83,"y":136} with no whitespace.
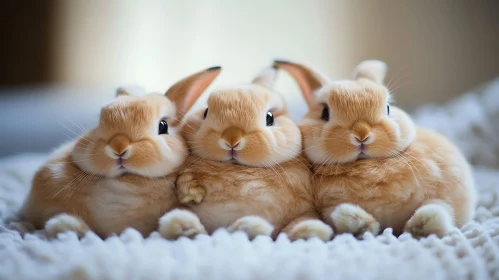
{"x":121,"y":154}
{"x":363,"y":139}
{"x":232,"y":137}
{"x":232,"y":145}
{"x":120,"y":145}
{"x":361,"y":131}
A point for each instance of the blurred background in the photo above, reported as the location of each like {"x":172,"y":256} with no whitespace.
{"x":62,"y":60}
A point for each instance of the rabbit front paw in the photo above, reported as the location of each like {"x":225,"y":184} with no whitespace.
{"x":252,"y":226}
{"x":429,"y":219}
{"x":310,"y":228}
{"x":349,"y":218}
{"x":178,"y":222}
{"x":65,"y":222}
{"x":189,"y":190}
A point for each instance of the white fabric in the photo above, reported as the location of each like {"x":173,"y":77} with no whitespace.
{"x":469,"y":253}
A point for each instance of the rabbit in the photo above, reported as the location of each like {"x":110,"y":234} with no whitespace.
{"x":245,"y":172}
{"x":373,"y":168}
{"x":121,"y":173}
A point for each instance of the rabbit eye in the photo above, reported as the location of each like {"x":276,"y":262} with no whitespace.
{"x":205,"y":113}
{"x":163,"y":127}
{"x":325,"y":113}
{"x":270,"y":118}
{"x":388,"y":109}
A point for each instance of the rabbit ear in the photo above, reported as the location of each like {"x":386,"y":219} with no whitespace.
{"x":308,"y":80}
{"x":121,"y":91}
{"x":266,"y":77}
{"x":374,"y":70}
{"x":130,"y":90}
{"x":186,"y":91}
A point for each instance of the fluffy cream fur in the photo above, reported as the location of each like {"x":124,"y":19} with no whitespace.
{"x":120,"y":174}
{"x":372,"y":165}
{"x":243,"y":174}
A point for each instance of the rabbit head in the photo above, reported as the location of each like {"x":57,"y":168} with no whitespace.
{"x":351,"y":119}
{"x":140,"y":135}
{"x":246,"y":124}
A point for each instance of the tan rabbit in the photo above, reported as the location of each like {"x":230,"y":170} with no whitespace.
{"x":120,"y":174}
{"x":373,"y":169}
{"x":245,"y":172}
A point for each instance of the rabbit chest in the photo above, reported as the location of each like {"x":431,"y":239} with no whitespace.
{"x":276,"y":194}
{"x":131,"y":201}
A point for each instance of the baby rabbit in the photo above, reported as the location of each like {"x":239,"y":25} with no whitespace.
{"x":120,"y":174}
{"x":245,"y":172}
{"x":373,"y":169}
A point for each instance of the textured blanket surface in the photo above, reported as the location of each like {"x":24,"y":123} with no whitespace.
{"x":471,"y":252}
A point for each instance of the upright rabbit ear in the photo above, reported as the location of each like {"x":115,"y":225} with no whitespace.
{"x":308,"y":80}
{"x":186,"y":91}
{"x":374,"y":70}
{"x":266,"y":77}
{"x":130,"y":90}
{"x":121,"y":91}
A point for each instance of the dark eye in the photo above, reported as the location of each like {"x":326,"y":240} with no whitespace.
{"x":163,"y":127}
{"x":270,"y":118}
{"x":205,"y":113}
{"x":388,"y":109}
{"x":325,"y":113}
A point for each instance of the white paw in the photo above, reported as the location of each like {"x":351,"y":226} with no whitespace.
{"x":349,"y":218}
{"x":178,"y":222}
{"x":65,"y":222}
{"x":429,"y":219}
{"x":253,"y":226}
{"x":310,"y":228}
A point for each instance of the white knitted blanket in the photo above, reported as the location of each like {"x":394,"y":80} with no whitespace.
{"x":472,"y":252}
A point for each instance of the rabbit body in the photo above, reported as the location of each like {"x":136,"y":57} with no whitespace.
{"x":373,"y":168}
{"x":245,"y":172}
{"x":232,"y":191}
{"x":121,"y":173}
{"x":106,"y":205}
{"x":392,"y":189}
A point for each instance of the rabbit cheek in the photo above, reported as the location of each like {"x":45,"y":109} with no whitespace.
{"x":405,"y":129}
{"x":313,"y":143}
{"x":256,"y":150}
{"x":144,"y":155}
{"x":338,"y":146}
{"x":285,"y":142}
{"x":315,"y":148}
{"x":206,"y":145}
{"x":93,"y":158}
{"x":385,"y":142}
{"x":103,"y":163}
{"x":173,"y":152}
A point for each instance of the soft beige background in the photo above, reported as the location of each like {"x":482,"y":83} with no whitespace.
{"x":435,"y":49}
